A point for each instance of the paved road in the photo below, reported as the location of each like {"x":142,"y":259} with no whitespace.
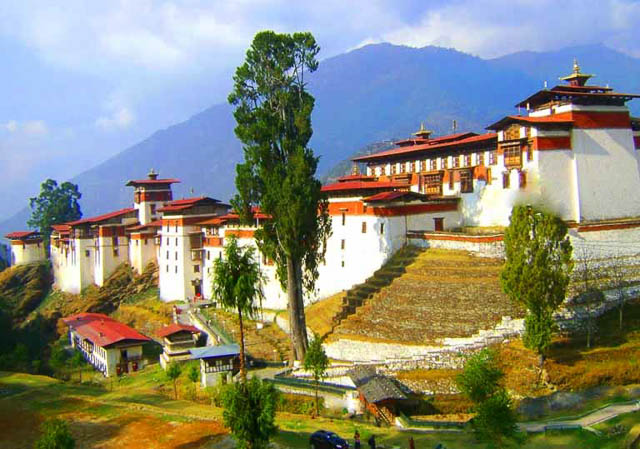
{"x":591,"y":419}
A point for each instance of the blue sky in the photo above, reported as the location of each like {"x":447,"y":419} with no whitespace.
{"x":82,"y":80}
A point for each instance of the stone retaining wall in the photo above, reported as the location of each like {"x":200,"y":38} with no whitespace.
{"x":481,"y":245}
{"x":450,"y":354}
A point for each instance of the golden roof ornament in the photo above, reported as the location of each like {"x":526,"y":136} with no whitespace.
{"x":576,"y":78}
{"x":422,"y":132}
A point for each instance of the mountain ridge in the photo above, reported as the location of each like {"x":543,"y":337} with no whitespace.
{"x":371,"y":94}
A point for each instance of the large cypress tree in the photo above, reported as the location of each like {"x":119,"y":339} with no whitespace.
{"x":537,"y":271}
{"x":273,"y":115}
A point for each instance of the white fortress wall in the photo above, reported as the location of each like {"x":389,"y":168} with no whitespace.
{"x":608,"y":173}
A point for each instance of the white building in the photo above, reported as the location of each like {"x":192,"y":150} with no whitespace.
{"x":113,"y":348}
{"x":566,"y":153}
{"x":26,"y":247}
{"x":575,"y":152}
{"x":180,"y":256}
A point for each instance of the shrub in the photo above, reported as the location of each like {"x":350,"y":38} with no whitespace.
{"x":55,"y":435}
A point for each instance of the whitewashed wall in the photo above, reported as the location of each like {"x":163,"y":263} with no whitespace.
{"x":29,"y":252}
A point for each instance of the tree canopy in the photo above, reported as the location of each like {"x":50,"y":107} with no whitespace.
{"x":273,"y":115}
{"x":537,"y":270}
{"x":316,"y":361}
{"x":237,"y":285}
{"x":480,"y":382}
{"x":249,"y":411}
{"x":54,"y":205}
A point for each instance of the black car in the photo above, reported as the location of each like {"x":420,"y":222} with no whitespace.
{"x":323,"y":439}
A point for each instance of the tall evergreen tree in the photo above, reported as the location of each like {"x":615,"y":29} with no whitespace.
{"x":537,"y":271}
{"x":236,"y":285}
{"x":273,"y":115}
{"x":54,"y":205}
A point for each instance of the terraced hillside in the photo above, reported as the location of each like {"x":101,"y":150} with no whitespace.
{"x":443,"y":293}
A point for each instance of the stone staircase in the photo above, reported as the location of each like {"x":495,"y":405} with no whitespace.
{"x":394,"y":268}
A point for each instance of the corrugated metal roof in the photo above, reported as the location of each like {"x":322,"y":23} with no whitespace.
{"x":209,"y":352}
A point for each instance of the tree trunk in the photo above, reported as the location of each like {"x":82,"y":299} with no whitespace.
{"x":540,"y":368}
{"x":620,"y":317}
{"x":317,"y":408}
{"x":243,"y":369}
{"x":297,"y":324}
{"x":175,"y":389}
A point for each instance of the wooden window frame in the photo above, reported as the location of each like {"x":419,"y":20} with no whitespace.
{"x":466,"y":181}
{"x":432,"y":184}
{"x":493,"y":157}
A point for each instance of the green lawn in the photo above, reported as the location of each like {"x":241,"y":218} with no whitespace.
{"x":141,"y":393}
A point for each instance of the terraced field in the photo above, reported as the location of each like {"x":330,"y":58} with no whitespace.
{"x":443,"y":293}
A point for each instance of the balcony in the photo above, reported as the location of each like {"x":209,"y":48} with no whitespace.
{"x":196,"y":254}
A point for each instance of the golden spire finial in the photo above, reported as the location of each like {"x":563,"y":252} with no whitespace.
{"x":422,"y":132}
{"x":576,"y":67}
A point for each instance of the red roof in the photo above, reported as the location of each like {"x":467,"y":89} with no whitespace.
{"x":564,"y":91}
{"x":389,"y":196}
{"x":429,"y":146}
{"x":186,"y":203}
{"x":103,"y":217}
{"x":355,"y":178}
{"x":360,"y":185}
{"x":20,"y":235}
{"x":136,"y":182}
{"x":174,"y":328}
{"x":102,"y":330}
{"x":220,"y":219}
{"x":61,"y":228}
{"x":546,"y":120}
{"x":153,"y":224}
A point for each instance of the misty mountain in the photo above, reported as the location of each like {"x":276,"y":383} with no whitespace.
{"x":372,"y":94}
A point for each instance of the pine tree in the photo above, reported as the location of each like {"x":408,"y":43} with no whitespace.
{"x":537,"y":271}
{"x":273,"y":115}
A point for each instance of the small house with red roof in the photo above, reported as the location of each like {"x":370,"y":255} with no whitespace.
{"x":26,"y":247}
{"x":177,"y":340}
{"x":112,"y":347}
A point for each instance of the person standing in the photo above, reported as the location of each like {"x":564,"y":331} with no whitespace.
{"x":412,"y":444}
{"x":356,"y":440}
{"x":372,"y":442}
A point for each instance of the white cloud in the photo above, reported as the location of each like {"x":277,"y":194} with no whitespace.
{"x":35,"y":128}
{"x":29,"y":128}
{"x":496,"y":27}
{"x":11,"y":126}
{"x":121,"y":118}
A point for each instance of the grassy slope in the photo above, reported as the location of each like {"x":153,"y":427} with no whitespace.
{"x":136,"y":412}
{"x":128,"y":297}
{"x":23,"y":288}
{"x":613,"y":360}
